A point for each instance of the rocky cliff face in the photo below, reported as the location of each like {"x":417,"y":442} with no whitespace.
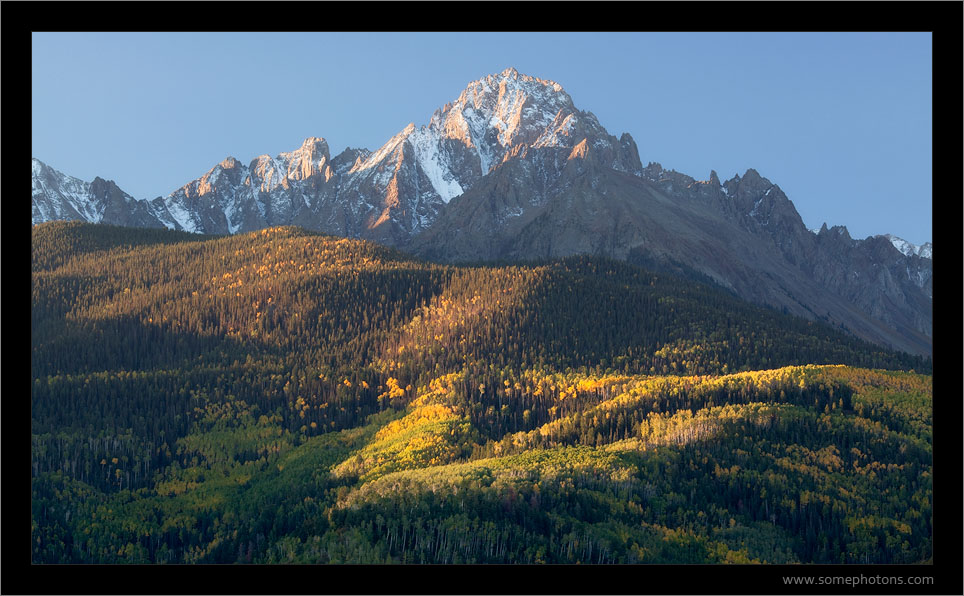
{"x":878,"y":284}
{"x":511,"y":169}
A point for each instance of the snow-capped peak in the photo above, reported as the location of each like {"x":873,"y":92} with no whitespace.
{"x":468,"y":137}
{"x":924,"y":251}
{"x":518,"y":108}
{"x":59,"y":196}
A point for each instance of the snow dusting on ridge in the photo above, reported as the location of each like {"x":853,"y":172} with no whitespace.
{"x":924,"y":251}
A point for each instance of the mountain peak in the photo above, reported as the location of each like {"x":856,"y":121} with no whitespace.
{"x":511,"y":84}
{"x":229,"y":163}
{"x":840,"y":231}
{"x":512,"y":74}
{"x":909,"y":248}
{"x":752,"y":176}
{"x":499,"y":111}
{"x":312,"y":146}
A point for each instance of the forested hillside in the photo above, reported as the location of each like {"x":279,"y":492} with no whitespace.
{"x":285,"y":396}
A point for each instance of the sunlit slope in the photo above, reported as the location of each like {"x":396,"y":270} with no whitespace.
{"x":608,"y":315}
{"x":815,"y":464}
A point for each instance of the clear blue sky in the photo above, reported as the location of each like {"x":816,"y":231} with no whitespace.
{"x":841,"y":121}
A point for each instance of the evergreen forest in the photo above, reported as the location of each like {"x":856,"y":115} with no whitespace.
{"x":284,"y":396}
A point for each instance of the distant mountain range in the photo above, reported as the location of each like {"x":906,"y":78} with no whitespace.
{"x":511,"y":170}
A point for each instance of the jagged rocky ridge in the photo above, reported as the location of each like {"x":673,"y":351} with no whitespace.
{"x":513,"y":170}
{"x":57,"y":196}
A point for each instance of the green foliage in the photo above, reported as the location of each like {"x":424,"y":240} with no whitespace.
{"x":430,"y":435}
{"x":284,"y":396}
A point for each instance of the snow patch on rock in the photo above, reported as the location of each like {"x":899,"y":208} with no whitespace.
{"x":434,"y":163}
